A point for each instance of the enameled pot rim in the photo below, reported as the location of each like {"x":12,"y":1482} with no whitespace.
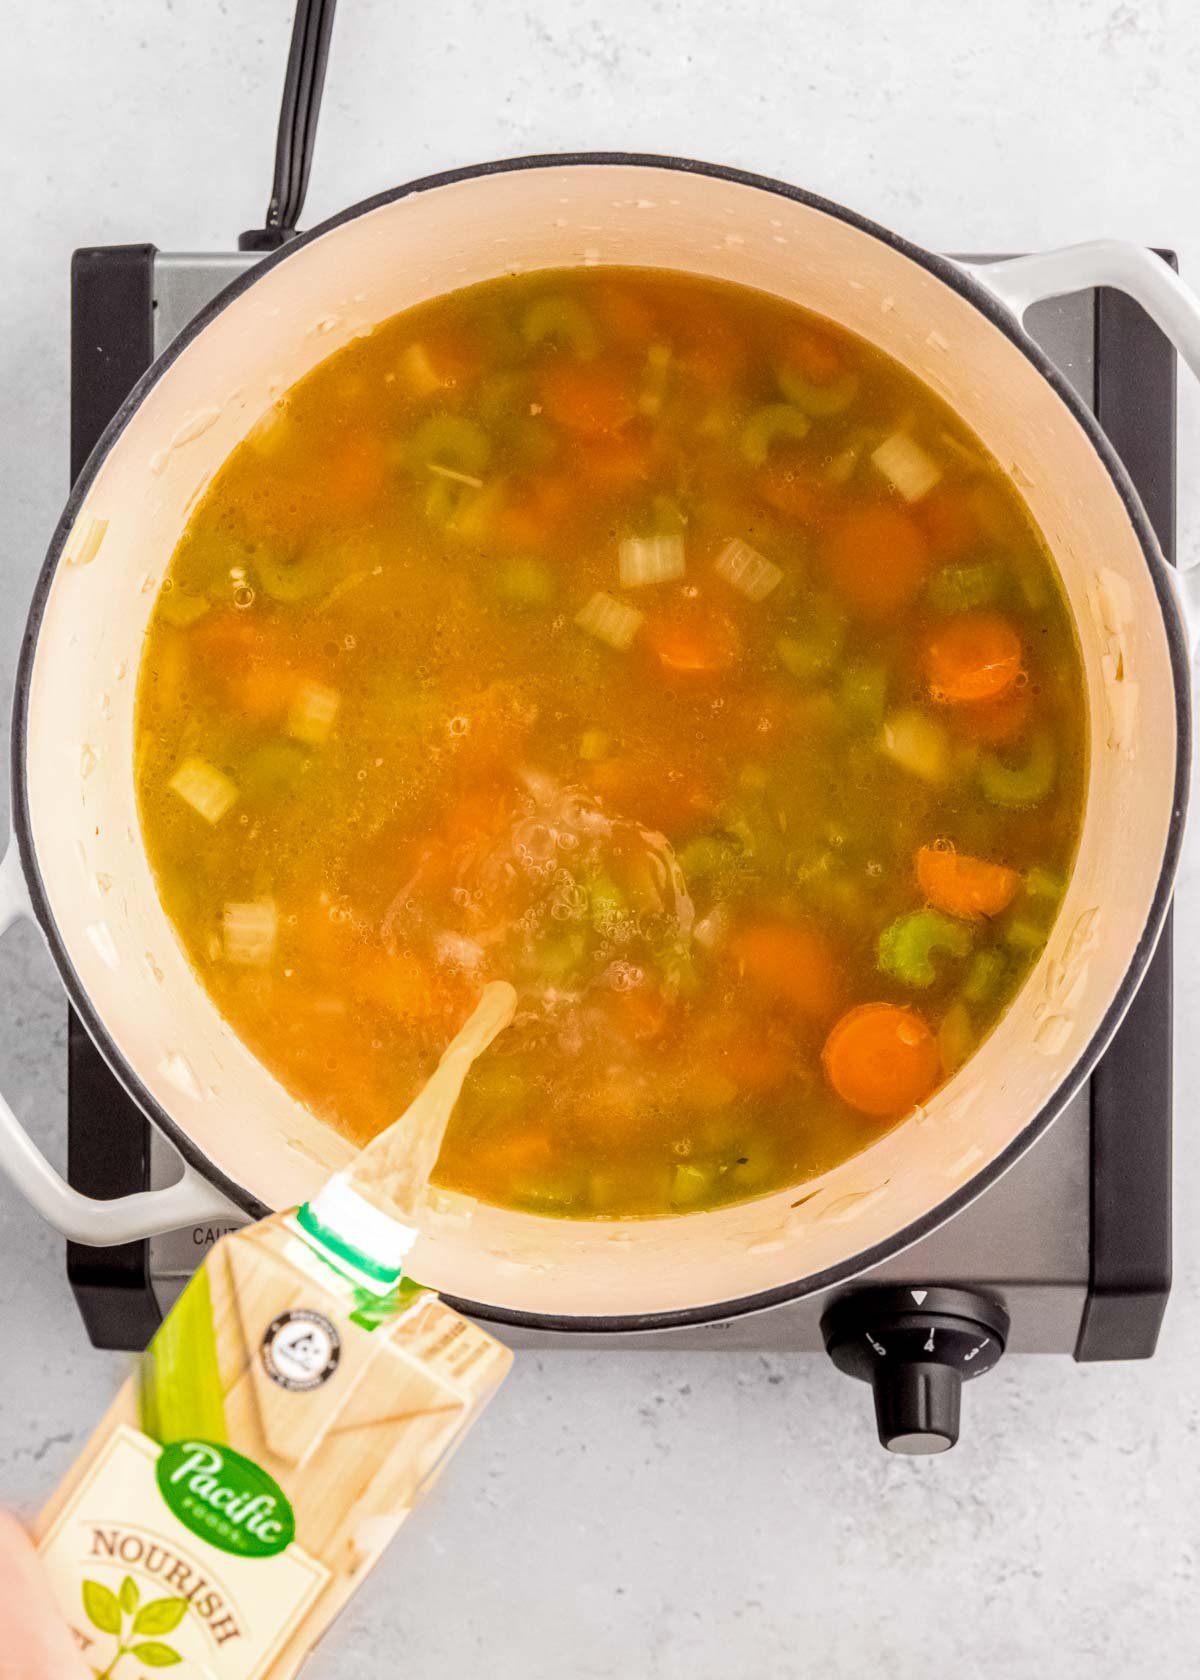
{"x":996,"y":312}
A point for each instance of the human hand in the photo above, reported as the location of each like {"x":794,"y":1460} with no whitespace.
{"x":35,"y":1642}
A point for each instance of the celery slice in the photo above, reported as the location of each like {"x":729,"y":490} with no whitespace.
{"x":961,"y":587}
{"x":908,"y":945}
{"x":818,"y":400}
{"x":1018,"y":786}
{"x":562,"y":321}
{"x":766,"y":425}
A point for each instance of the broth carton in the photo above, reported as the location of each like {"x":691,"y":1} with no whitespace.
{"x":280,"y":1427}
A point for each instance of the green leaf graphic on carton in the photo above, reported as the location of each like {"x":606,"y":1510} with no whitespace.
{"x":163,"y":1616}
{"x":101,"y":1607}
{"x":156,"y":1655}
{"x":108,"y":1611}
{"x":225,"y":1498}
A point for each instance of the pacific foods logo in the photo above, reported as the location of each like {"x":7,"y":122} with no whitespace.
{"x":226,"y":1499}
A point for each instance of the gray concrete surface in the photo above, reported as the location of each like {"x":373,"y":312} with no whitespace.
{"x":643,"y":1516}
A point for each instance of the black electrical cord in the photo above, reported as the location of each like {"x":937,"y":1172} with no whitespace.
{"x":302,"y":89}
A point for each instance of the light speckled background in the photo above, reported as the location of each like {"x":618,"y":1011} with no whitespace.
{"x":645,"y":1516}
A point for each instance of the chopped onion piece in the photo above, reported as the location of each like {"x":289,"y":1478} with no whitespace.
{"x":918,"y":744}
{"x":249,"y":931}
{"x":610,"y":620}
{"x":311,"y":714}
{"x":457,"y":951}
{"x":181,"y":610}
{"x":656,"y":559}
{"x":841,"y":469}
{"x":206,"y":789}
{"x":748,"y":570}
{"x":654,"y":380}
{"x":418,"y":372}
{"x":710,"y":930}
{"x":906,"y":466}
{"x":594,"y":744}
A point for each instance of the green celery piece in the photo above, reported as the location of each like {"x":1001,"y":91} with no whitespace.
{"x":907,"y":947}
{"x":451,"y":441}
{"x":525,"y":583}
{"x":708,"y":857}
{"x":957,"y":588}
{"x":984,"y":976}
{"x":813,"y":642}
{"x":818,"y":400}
{"x":776,"y":420}
{"x":1024,"y":935}
{"x":606,"y":901}
{"x":864,"y":695}
{"x":180,"y":1390}
{"x":563,"y":321}
{"x":273,"y":767}
{"x":691,"y":1184}
{"x":1017,"y":787}
{"x":1045,"y":883}
{"x":299,"y":577}
{"x":182,"y":610}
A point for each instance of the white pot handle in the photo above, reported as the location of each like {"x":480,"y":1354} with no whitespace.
{"x":191,"y":1200}
{"x":1170,"y":304}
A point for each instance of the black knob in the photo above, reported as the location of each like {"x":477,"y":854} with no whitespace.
{"x":916,"y":1347}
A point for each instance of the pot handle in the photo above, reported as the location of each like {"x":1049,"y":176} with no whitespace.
{"x":1170,"y":304}
{"x":1173,"y":307}
{"x":191,"y":1200}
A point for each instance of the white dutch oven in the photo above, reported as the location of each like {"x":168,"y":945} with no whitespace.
{"x":78,"y":865}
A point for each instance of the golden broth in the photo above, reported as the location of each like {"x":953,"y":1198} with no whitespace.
{"x":646,"y":642}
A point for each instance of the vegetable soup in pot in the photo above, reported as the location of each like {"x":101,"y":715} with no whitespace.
{"x":654,"y":645}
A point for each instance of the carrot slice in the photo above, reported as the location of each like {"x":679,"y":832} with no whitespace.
{"x":974,"y":657}
{"x":640,"y":1014}
{"x":965,"y":886}
{"x":949,"y":520}
{"x":618,"y":461}
{"x":714,"y":353}
{"x":646,"y":790}
{"x":876,"y":558}
{"x":356,"y":472}
{"x":532,"y":514}
{"x":790,"y":964}
{"x":624,"y":314}
{"x":882,"y":1059}
{"x":997,"y":721}
{"x":814,"y":354}
{"x":401,"y":984}
{"x":789,"y":486}
{"x":591,"y":399}
{"x":697,"y":644}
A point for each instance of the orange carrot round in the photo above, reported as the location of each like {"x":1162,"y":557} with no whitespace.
{"x":356,"y":472}
{"x":971,"y":658}
{"x":790,"y":964}
{"x":591,"y":399}
{"x":694,"y":644}
{"x":791,"y":486}
{"x":948,"y":518}
{"x":964,"y":886}
{"x":997,"y":721}
{"x":617,"y":461}
{"x":876,"y":558}
{"x":882,"y":1059}
{"x":814,"y":354}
